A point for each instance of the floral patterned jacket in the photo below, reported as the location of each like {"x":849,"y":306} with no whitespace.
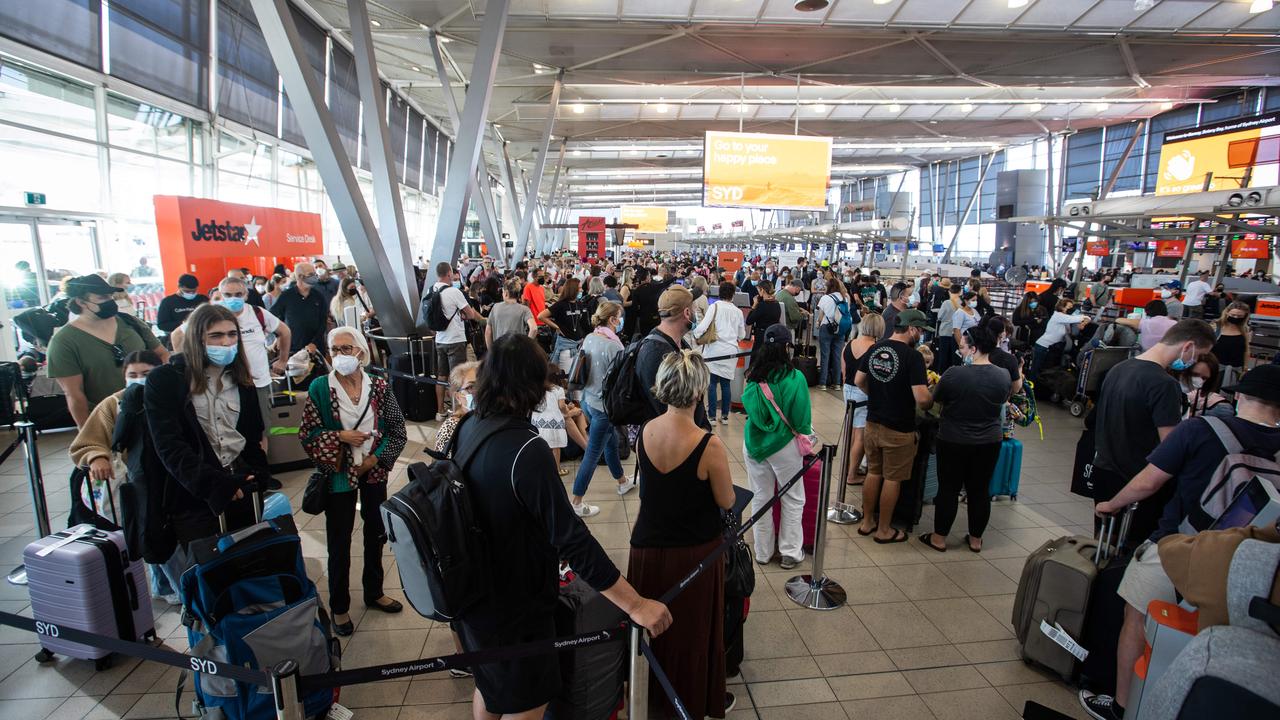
{"x":320,"y":426}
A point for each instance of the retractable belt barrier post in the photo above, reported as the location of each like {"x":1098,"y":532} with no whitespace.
{"x":816,"y":591}
{"x":840,"y":512}
{"x":638,"y":676}
{"x":27,"y":435}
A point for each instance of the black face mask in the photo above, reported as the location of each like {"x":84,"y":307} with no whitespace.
{"x":106,"y":309}
{"x":1235,"y":320}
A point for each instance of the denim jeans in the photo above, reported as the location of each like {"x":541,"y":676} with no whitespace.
{"x":722,"y":384}
{"x":829,"y":347}
{"x":1038,"y":355}
{"x":600,"y":439}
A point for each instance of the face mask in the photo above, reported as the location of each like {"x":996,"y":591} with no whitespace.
{"x":973,"y":303}
{"x":968,"y":359}
{"x":130,"y":382}
{"x":914,"y":299}
{"x":468,"y":401}
{"x":1197,"y":382}
{"x":107,"y":310}
{"x":311,"y":280}
{"x":220,"y":355}
{"x":321,"y":272}
{"x":1166,"y":294}
{"x":1033,"y":304}
{"x":1235,"y":320}
{"x":234,"y":304}
{"x":260,"y":288}
{"x":457,"y":284}
{"x":1179,"y":364}
{"x":187,"y":295}
{"x":346,"y":364}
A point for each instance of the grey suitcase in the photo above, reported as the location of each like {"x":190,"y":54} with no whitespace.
{"x":84,"y":578}
{"x":1054,"y":587}
{"x":284,"y":449}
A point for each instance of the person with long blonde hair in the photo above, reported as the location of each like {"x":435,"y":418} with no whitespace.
{"x":1232,"y":345}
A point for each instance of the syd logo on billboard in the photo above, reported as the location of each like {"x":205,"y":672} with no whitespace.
{"x":213,"y":231}
{"x":722,"y":193}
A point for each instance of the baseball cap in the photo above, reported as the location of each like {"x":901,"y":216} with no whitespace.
{"x":1173,"y":284}
{"x":778,"y":334}
{"x":673,"y":301}
{"x":1262,"y":382}
{"x":187,"y":280}
{"x":826,"y":263}
{"x":85,"y":284}
{"x":337,"y":266}
{"x":911,"y":318}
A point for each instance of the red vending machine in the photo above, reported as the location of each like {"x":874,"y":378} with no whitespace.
{"x":591,"y":234}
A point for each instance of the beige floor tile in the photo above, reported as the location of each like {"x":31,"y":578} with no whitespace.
{"x":771,"y":635}
{"x":868,"y":585}
{"x":59,"y":678}
{"x":31,"y":707}
{"x":75,"y":707}
{"x":815,"y":711}
{"x":796,"y":668}
{"x":375,"y":694}
{"x":898,"y":625}
{"x":1050,"y":694}
{"x":834,"y":631}
{"x":991,"y":651}
{"x":905,"y":707}
{"x":999,"y":607}
{"x":856,"y":663}
{"x":456,"y":711}
{"x":1013,"y":672}
{"x":439,"y":688}
{"x":979,"y":577}
{"x":963,"y":620}
{"x":870,"y":685}
{"x":114,"y":707}
{"x":924,"y":582}
{"x":383,"y":646}
{"x":157,"y":705}
{"x":975,"y":704}
{"x":791,"y":692}
{"x":942,"y":679}
{"x":929,"y":656}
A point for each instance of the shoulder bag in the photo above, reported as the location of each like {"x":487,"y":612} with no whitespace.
{"x":804,"y":443}
{"x":709,"y":336}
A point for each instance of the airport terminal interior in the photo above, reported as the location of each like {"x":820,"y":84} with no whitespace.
{"x":1102,"y":174}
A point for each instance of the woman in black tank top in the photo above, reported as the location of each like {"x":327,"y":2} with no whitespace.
{"x":869,"y":332}
{"x":682,"y":492}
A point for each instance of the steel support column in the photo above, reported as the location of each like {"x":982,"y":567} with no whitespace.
{"x":386,"y":186}
{"x":467,"y":149}
{"x":539,"y":165}
{"x":977,"y":190}
{"x":1138,"y":131}
{"x":307,"y":97}
{"x":487,"y":211}
{"x":509,"y":180}
{"x":550,"y":210}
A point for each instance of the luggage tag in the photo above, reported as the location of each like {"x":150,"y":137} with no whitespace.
{"x":1060,"y":636}
{"x":78,"y":532}
{"x":338,"y":712}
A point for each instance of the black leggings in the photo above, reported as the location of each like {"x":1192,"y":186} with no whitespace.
{"x":969,"y":467}
{"x":339,"y":524}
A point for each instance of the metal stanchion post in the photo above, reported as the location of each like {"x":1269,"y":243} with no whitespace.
{"x":284,"y":687}
{"x":816,"y":591}
{"x":638,"y":679}
{"x":840,"y":512}
{"x":35,"y":480}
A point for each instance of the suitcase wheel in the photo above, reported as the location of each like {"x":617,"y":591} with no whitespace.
{"x":102,"y":663}
{"x":44,"y":656}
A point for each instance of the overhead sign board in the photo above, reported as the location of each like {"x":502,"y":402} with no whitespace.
{"x":650,"y":219}
{"x":1254,"y":249}
{"x":1097,"y":248}
{"x":1227,"y":150}
{"x":1171,"y":248}
{"x":771,"y":172}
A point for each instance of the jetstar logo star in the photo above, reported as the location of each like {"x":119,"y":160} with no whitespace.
{"x":214,"y":231}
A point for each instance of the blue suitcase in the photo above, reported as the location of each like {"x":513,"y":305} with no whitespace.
{"x":1004,"y":481}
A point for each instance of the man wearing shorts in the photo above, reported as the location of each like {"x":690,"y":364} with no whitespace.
{"x":1189,"y":457}
{"x":451,"y":343}
{"x":892,"y":374}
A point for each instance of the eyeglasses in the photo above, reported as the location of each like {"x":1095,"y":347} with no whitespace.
{"x":344,"y":350}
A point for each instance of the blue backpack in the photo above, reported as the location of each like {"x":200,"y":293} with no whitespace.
{"x":247,"y":601}
{"x":845,"y":326}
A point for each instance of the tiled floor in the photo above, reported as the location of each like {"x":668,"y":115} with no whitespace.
{"x":924,"y":635}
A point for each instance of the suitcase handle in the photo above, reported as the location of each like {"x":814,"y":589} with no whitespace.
{"x":1107,"y":535}
{"x":132,"y":587}
{"x":257,"y":498}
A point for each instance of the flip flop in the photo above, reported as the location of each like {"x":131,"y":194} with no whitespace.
{"x":898,"y":536}
{"x":866,"y":534}
{"x":927,"y":540}
{"x":968,"y":545}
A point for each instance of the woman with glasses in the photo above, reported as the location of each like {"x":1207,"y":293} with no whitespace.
{"x":354,"y":431}
{"x":202,"y":411}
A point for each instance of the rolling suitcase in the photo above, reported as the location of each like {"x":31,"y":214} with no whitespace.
{"x":84,"y":578}
{"x":1004,"y":481}
{"x":1055,"y":587}
{"x":284,"y":450}
{"x":591,"y":677}
{"x":416,"y":398}
{"x":809,"y":368}
{"x":808,"y":519}
{"x":911,"y":497}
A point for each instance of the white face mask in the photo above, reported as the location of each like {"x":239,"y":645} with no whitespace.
{"x":345,"y":364}
{"x":1197,"y":382}
{"x":1166,"y":294}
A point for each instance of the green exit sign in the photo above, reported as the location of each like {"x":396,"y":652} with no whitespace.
{"x":35,"y":198}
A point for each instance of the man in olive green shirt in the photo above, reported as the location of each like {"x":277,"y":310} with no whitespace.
{"x":792,"y":313}
{"x":86,"y":355}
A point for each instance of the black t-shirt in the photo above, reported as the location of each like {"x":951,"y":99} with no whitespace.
{"x":892,"y":368}
{"x":764,"y":314}
{"x":307,"y":317}
{"x":570,"y":316}
{"x":1191,"y":454}
{"x":1008,"y":361}
{"x":644,"y":304}
{"x":174,"y":309}
{"x":1137,"y":397}
{"x":971,"y":397}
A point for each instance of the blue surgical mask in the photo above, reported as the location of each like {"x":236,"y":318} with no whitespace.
{"x":1033,"y":304}
{"x":129,"y":382}
{"x":234,"y":304}
{"x":457,"y":284}
{"x":1179,"y":365}
{"x":220,"y":355}
{"x":968,"y":359}
{"x":187,"y":295}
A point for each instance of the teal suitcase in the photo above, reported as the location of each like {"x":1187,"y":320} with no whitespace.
{"x":1004,"y":481}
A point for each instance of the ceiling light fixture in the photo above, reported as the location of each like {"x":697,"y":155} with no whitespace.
{"x":966,"y":107}
{"x":662,"y":106}
{"x":633,"y":152}
{"x":742,"y":108}
{"x":1018,"y":3}
{"x":811,"y":5}
{"x":1260,"y":6}
{"x":577,"y":152}
{"x":881,"y":2}
{"x":415,"y":68}
{"x":1101,"y":106}
{"x":820,"y":107}
{"x":375,"y":23}
{"x":579,"y":108}
{"x":444,"y":39}
{"x":895,"y":107}
{"x":539,"y":69}
{"x":1035,"y":107}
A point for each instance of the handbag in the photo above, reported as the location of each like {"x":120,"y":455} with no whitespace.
{"x":739,"y":572}
{"x":709,"y":336}
{"x":804,"y":443}
{"x":580,"y":370}
{"x":315,"y":498}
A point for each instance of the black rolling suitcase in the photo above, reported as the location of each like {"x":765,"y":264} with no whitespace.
{"x":806,"y":357}
{"x":591,"y":677}
{"x":911,"y":498}
{"x":809,"y":368}
{"x":417,"y":400}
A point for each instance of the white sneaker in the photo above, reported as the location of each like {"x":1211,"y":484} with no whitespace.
{"x":724,"y":420}
{"x":626,"y":487}
{"x":584,"y":510}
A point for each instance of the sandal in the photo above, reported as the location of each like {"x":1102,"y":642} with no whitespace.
{"x":865,"y":534}
{"x":927,"y":539}
{"x":898,"y":536}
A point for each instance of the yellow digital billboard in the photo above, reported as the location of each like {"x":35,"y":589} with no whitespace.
{"x":1227,"y":150}
{"x":650,"y":219}
{"x":772,"y":172}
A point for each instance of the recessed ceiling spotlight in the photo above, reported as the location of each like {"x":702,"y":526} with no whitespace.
{"x":577,"y":152}
{"x":820,"y":107}
{"x":633,"y":152}
{"x":895,"y":107}
{"x":811,"y":5}
{"x":579,"y":108}
{"x":539,"y":69}
{"x":1260,"y":6}
{"x":1166,"y":105}
{"x":375,"y":23}
{"x":415,"y":68}
{"x":967,"y":107}
{"x":1035,"y":107}
{"x":662,"y":106}
{"x":423,"y":27}
{"x":1018,"y":3}
{"x":881,"y":2}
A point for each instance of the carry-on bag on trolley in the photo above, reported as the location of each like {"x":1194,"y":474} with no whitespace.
{"x":1004,"y":481}
{"x":284,"y":449}
{"x":416,"y":397}
{"x":85,"y":578}
{"x":1055,"y":588}
{"x":247,"y":601}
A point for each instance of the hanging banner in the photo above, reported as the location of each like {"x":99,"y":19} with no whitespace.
{"x":1257,"y":249}
{"x":730,"y":261}
{"x":1098,"y":248}
{"x":591,"y":233}
{"x":650,"y":219}
{"x":1171,"y":248}
{"x":771,"y":172}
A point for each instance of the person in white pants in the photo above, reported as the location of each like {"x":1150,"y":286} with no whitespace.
{"x":778,"y":427}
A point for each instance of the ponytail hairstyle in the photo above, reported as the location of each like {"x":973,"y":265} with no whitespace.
{"x":981,"y":339}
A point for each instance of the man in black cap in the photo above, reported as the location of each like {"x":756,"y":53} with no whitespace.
{"x":175,"y":308}
{"x":892,"y":374}
{"x":1189,"y":456}
{"x":86,"y":355}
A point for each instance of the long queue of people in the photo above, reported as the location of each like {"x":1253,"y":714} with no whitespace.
{"x":930,"y":350}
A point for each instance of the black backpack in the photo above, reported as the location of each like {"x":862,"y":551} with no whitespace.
{"x":440,"y":549}
{"x":431,"y":311}
{"x":626,"y":399}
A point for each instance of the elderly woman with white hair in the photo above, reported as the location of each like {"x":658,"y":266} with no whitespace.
{"x":354,"y":431}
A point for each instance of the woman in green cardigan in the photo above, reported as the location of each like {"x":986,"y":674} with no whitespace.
{"x":777,"y":403}
{"x":353,"y":430}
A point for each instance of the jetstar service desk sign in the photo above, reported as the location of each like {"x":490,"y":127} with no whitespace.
{"x":206,"y":237}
